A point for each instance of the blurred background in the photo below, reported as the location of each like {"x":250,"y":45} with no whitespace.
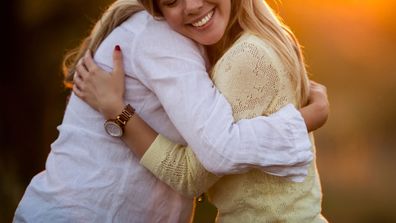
{"x":350,"y":46}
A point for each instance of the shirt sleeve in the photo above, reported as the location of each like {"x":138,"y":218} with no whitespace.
{"x":173,"y":67}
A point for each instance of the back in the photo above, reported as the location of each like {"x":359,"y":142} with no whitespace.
{"x":254,"y":80}
{"x":92,"y":177}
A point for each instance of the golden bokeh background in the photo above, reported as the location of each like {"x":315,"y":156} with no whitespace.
{"x":350,"y":46}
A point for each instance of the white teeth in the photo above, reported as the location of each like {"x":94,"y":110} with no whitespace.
{"x":204,"y":20}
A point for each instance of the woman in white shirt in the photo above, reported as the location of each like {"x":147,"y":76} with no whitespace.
{"x":261,"y":69}
{"x":92,"y":177}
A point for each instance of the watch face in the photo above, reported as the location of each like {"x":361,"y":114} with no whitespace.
{"x":113,"y":129}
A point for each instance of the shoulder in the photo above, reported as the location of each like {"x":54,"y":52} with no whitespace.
{"x":251,"y":51}
{"x":149,"y":33}
{"x":249,"y":57}
{"x":158,"y":34}
{"x":253,"y":46}
{"x":248,"y":49}
{"x":158,"y":52}
{"x":156,"y":40}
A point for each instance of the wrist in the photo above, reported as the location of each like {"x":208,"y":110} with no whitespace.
{"x":116,"y":126}
{"x":114,"y":109}
{"x":315,"y":115}
{"x":321,"y":108}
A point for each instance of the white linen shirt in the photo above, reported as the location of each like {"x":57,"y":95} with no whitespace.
{"x":92,"y":177}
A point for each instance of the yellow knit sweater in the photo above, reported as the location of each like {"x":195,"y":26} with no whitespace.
{"x":253,"y":79}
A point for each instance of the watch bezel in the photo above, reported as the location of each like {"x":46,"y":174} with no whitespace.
{"x":115,"y":127}
{"x":109,"y":126}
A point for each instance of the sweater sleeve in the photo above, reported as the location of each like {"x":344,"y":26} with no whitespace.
{"x":264,"y":90}
{"x":173,"y":68}
{"x":177,"y":166}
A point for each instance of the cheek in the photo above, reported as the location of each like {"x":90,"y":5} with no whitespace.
{"x":174,"y":20}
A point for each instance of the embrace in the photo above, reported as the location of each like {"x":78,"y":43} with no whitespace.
{"x":175,"y":98}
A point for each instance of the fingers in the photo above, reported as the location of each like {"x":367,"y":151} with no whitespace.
{"x":77,"y":88}
{"x":85,"y":66}
{"x":317,"y":86}
{"x":118,"y":61}
{"x":314,"y":84}
{"x":81,"y":70}
{"x":88,"y":61}
{"x":78,"y":80}
{"x":80,"y":75}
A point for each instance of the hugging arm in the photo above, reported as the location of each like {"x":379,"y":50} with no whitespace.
{"x":177,"y":166}
{"x":204,"y":118}
{"x":172,"y":163}
{"x":316,"y":112}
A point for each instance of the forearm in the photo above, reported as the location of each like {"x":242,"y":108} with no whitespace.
{"x":174,"y":164}
{"x":177,"y":166}
{"x":204,"y":118}
{"x":138,"y":135}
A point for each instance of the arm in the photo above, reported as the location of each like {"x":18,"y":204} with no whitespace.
{"x":172,"y":163}
{"x":211,"y":115}
{"x":315,"y":114}
{"x":204,"y":117}
{"x":177,"y":166}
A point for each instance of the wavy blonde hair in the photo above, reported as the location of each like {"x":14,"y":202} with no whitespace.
{"x":257,"y":17}
{"x":114,"y":15}
{"x":254,"y":16}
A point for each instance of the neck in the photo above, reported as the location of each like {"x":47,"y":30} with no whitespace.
{"x":212,"y":52}
{"x":216,"y":50}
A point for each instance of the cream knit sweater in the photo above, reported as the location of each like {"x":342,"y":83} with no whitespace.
{"x":253,"y":79}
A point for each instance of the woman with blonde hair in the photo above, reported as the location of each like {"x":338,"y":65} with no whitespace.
{"x":259,"y":68}
{"x":91,"y":177}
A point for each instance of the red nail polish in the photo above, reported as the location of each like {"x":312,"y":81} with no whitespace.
{"x":118,"y":48}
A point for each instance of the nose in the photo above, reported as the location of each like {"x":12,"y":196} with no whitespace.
{"x":193,"y":6}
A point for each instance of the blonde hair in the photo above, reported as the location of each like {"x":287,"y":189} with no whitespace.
{"x":254,"y":16}
{"x":114,"y":15}
{"x":257,"y":17}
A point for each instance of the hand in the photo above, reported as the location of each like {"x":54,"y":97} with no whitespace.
{"x":318,"y":95}
{"x":104,"y":91}
{"x":316,"y":112}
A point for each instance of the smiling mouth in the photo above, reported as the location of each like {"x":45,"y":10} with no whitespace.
{"x":204,"y":20}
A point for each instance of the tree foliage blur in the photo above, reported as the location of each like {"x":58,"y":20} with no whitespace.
{"x":349,"y":45}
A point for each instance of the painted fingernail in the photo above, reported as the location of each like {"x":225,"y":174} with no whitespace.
{"x":118,"y":48}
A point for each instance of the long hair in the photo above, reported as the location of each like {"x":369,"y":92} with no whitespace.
{"x":254,"y":16}
{"x":114,"y":15}
{"x":258,"y":18}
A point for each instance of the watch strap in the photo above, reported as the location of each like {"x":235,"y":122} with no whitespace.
{"x":125,"y":115}
{"x":120,"y":121}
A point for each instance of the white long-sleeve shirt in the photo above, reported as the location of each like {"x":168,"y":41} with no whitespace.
{"x":92,"y":177}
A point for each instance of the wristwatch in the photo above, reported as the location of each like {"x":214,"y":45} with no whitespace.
{"x":115,"y":127}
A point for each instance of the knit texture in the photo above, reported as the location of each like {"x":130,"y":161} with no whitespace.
{"x":255,"y":82}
